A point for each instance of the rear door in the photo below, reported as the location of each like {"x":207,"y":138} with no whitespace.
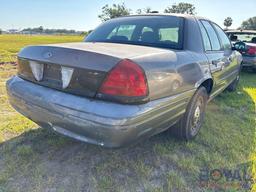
{"x":218,"y":57}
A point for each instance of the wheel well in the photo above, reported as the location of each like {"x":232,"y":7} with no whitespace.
{"x":208,"y":84}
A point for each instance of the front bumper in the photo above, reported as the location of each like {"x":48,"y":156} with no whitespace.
{"x":249,"y":62}
{"x":94,"y":121}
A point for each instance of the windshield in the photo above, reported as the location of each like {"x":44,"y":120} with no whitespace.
{"x":155,"y":31}
{"x":244,"y":37}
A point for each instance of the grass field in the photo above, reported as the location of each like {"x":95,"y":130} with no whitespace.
{"x":36,"y":159}
{"x":11,"y":44}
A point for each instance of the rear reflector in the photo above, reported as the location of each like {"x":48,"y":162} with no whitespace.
{"x":37,"y":70}
{"x":125,"y":79}
{"x":66,"y":75}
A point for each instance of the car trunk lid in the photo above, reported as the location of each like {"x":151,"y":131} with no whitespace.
{"x":77,"y":68}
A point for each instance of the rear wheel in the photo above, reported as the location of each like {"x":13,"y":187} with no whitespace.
{"x":189,"y":125}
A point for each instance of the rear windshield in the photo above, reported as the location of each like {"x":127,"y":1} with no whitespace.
{"x":155,"y":31}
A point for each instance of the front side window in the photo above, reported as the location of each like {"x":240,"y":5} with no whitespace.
{"x":212,"y":35}
{"x":155,"y":31}
{"x":223,"y":37}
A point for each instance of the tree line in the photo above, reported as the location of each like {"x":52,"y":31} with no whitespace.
{"x":48,"y":31}
{"x":118,"y":10}
{"x":41,"y":30}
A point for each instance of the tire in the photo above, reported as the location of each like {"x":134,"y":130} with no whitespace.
{"x":233,"y":86}
{"x":189,"y":125}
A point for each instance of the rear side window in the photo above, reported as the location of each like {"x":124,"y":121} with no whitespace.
{"x":206,"y":40}
{"x":212,"y":35}
{"x":223,"y":37}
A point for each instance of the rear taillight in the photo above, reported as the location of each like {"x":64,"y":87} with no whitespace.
{"x":251,"y":50}
{"x":125,"y":79}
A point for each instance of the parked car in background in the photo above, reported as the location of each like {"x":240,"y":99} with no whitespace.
{"x":132,"y":78}
{"x":245,"y":42}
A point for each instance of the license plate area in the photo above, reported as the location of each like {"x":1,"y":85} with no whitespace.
{"x":52,"y":76}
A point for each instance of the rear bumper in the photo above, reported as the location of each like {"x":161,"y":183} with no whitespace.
{"x":249,"y":62}
{"x":93,"y":121}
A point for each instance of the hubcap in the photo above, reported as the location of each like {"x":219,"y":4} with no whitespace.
{"x":197,"y":117}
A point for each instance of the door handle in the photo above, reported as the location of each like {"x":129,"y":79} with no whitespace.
{"x":215,"y":63}
{"x":220,"y":65}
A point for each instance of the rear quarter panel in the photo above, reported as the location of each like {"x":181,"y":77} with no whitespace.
{"x":174,"y":73}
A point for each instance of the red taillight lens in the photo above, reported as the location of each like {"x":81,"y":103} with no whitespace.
{"x":125,"y":79}
{"x":251,"y":51}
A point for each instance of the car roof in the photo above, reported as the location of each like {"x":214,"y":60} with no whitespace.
{"x":168,"y":14}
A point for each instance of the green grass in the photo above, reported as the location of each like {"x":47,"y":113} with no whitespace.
{"x":11,"y":44}
{"x":36,"y":159}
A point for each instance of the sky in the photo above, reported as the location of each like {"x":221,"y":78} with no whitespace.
{"x":82,"y":15}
